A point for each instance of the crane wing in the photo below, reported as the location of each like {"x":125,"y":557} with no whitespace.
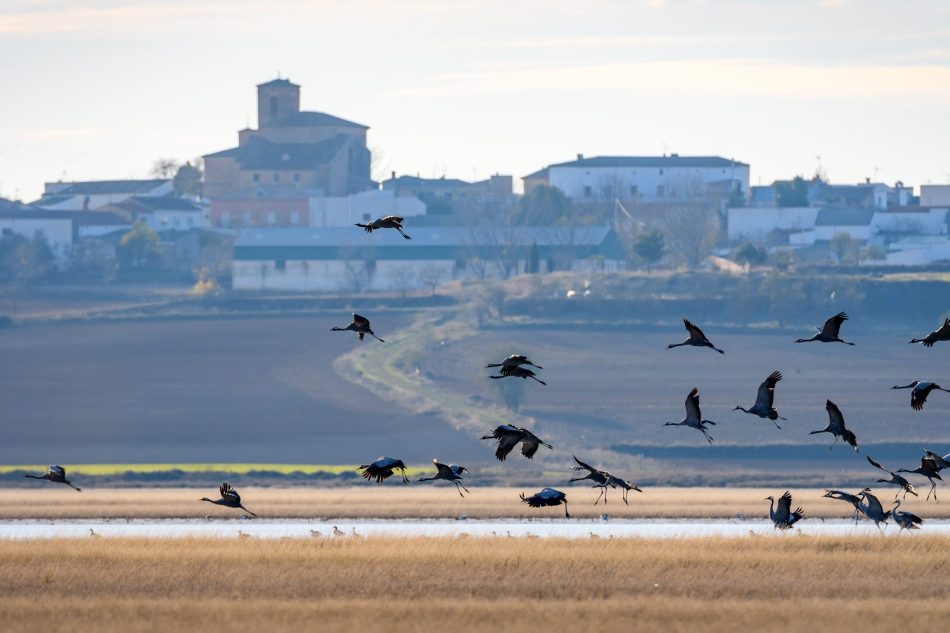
{"x":918,"y":397}
{"x":529,"y":447}
{"x":506,"y":443}
{"x":360,"y":321}
{"x":783,"y":508}
{"x":833,"y":325}
{"x":766,"y":395}
{"x":582,"y":466}
{"x":692,"y":406}
{"x":694,"y":332}
{"x":227,"y":492}
{"x":392,"y":218}
{"x":59,"y":471}
{"x":442,"y":468}
{"x":836,"y":420}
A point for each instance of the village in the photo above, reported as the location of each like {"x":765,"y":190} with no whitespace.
{"x":277,"y":213}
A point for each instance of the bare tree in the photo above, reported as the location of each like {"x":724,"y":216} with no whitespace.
{"x":164,"y":168}
{"x":690,"y":223}
{"x":402,"y":279}
{"x":357,"y":275}
{"x":431,"y":276}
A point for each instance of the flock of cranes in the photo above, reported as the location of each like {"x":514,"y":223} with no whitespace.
{"x":509,"y":436}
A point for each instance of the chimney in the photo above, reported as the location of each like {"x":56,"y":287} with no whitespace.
{"x":867,"y":180}
{"x":580,"y":157}
{"x":393,"y":175}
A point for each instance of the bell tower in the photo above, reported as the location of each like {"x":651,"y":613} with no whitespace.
{"x":277,"y":99}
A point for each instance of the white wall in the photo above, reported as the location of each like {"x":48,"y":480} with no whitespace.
{"x":347,"y":210}
{"x":930,"y":222}
{"x":59,"y":232}
{"x":934,"y":195}
{"x":755,"y":223}
{"x":174,"y":220}
{"x":573,"y":180}
{"x":862,"y":233}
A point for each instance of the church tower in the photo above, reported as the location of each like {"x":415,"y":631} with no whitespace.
{"x":276,"y":100}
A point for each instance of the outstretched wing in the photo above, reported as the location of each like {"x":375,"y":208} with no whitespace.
{"x":692,"y":405}
{"x":783,"y":509}
{"x":582,"y":466}
{"x":833,"y":325}
{"x":360,"y":321}
{"x":227,"y":492}
{"x":393,"y":218}
{"x":529,"y":447}
{"x":56,"y":470}
{"x":694,"y":332}
{"x":835,"y":418}
{"x":876,"y":465}
{"x":507,"y":443}
{"x":766,"y":393}
{"x":918,"y":397}
{"x":442,"y":468}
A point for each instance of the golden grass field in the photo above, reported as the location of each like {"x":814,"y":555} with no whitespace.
{"x":393,"y":500}
{"x":780,"y":583}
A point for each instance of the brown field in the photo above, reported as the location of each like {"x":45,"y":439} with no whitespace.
{"x":777,"y":583}
{"x":435,"y":501}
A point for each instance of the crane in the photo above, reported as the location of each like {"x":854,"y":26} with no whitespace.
{"x":547,"y":497}
{"x":696,"y":338}
{"x":836,"y":427}
{"x":764,"y":398}
{"x":829,"y":332}
{"x":942,"y":333}
{"x":229,"y":498}
{"x":919,"y":391}
{"x":360,"y":325}
{"x":783,"y":518}
{"x":388,"y":222}
{"x":382,"y":469}
{"x":449,"y":472}
{"x":694,"y":418}
{"x":508,"y":437}
{"x":57,"y":475}
{"x":895,"y":480}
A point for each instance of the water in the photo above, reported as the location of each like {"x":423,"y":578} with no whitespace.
{"x":564,"y":528}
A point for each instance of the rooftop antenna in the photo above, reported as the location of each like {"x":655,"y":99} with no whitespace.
{"x":664,"y":148}
{"x":876,"y":169}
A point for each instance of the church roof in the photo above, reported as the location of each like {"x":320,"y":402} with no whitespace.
{"x":260,"y":153}
{"x":314,"y":119}
{"x":278,"y":82}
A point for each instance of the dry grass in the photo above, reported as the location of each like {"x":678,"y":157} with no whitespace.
{"x":764,"y":584}
{"x":393,"y":500}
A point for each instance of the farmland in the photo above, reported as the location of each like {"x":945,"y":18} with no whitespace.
{"x":502,"y":584}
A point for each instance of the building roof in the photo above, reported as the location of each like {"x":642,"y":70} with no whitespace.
{"x":278,"y":82}
{"x":260,"y":153}
{"x":830,"y":216}
{"x":160,"y":203}
{"x":81,"y":218}
{"x":314,"y":119}
{"x":107,"y":186}
{"x":432,"y":242}
{"x":673,"y":160}
{"x":429,"y":183}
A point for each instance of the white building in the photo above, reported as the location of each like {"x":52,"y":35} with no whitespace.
{"x":362,"y":207}
{"x":85,"y":196}
{"x":642,"y":178}
{"x":347,"y":259}
{"x":935,"y":195}
{"x":58,"y":230}
{"x":163,"y":213}
{"x":755,"y":224}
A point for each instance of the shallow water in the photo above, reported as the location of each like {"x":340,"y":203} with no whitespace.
{"x":564,"y":528}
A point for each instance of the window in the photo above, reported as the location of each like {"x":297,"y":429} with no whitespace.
{"x":296,"y":177}
{"x":271,"y":218}
{"x":294,"y":217}
{"x":256,"y":177}
{"x":280,"y":264}
{"x":660,"y":191}
{"x":276,"y":177}
{"x":634,"y":191}
{"x":587,"y":191}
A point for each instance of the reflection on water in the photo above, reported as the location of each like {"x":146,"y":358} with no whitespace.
{"x":564,"y":528}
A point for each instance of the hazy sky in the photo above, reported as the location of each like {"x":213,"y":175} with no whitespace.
{"x":466,"y":88}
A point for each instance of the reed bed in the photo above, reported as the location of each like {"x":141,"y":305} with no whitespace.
{"x":393,"y":500}
{"x":775,"y":583}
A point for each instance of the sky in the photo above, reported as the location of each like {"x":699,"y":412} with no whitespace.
{"x":467,"y":88}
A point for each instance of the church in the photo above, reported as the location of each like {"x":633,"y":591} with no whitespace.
{"x":292,"y":153}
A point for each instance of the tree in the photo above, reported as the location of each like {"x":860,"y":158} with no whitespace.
{"x":25,"y":261}
{"x":534,"y":260}
{"x":402,"y":279}
{"x":164,"y":168}
{"x":139,"y":248}
{"x":41,"y":260}
{"x":690,"y":223}
{"x":791,"y":193}
{"x":93,"y":260}
{"x":542,"y":206}
{"x":844,"y":247}
{"x":431,"y":276}
{"x":749,"y":253}
{"x":187,"y":180}
{"x":649,"y":247}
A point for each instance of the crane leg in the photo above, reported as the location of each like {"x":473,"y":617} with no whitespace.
{"x":459,"y":489}
{"x":602,"y":493}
